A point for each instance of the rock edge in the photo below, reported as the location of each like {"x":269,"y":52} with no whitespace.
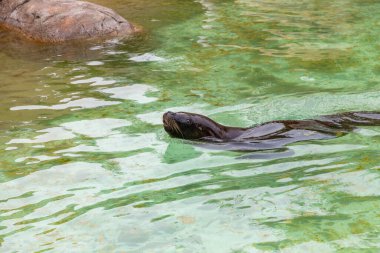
{"x":63,"y":20}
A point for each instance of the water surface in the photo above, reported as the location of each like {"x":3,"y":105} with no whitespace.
{"x":87,"y":167}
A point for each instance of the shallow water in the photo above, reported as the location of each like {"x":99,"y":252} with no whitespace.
{"x":87,"y":167}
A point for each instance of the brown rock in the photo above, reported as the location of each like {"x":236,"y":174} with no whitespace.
{"x":62,"y":20}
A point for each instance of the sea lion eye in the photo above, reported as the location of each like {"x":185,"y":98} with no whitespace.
{"x":188,"y":121}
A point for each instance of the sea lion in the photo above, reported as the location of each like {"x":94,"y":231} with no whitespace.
{"x":270,"y":135}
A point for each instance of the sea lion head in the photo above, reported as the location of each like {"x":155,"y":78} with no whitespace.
{"x":190,"y":126}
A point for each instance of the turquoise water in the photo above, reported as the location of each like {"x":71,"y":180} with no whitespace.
{"x":87,"y":167}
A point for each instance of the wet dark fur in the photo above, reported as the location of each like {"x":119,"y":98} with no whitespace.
{"x":270,"y":135}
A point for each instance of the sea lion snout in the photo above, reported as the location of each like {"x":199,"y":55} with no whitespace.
{"x":167,"y":118}
{"x":167,"y":115}
{"x":189,"y":126}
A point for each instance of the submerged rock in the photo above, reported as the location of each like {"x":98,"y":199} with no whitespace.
{"x":62,"y":20}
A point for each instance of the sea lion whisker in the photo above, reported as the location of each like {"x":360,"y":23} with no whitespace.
{"x":176,"y":127}
{"x":173,"y":124}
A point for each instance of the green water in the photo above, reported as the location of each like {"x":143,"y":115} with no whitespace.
{"x":87,"y":167}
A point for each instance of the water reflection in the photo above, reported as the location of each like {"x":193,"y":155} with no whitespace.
{"x":97,"y":127}
{"x":17,"y":47}
{"x":94,"y":81}
{"x":135,"y":92}
{"x":118,"y":143}
{"x":50,"y":134}
{"x":148,"y":57}
{"x":74,"y":105}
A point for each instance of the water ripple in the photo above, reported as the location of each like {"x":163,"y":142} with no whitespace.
{"x":86,"y":165}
